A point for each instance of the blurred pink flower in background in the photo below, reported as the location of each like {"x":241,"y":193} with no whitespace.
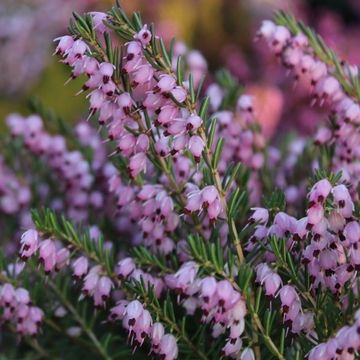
{"x":269,"y":104}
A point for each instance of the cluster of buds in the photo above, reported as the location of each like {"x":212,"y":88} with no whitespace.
{"x":71,"y":169}
{"x":115,"y":108}
{"x":243,"y":142}
{"x":96,"y":283}
{"x":207,"y":199}
{"x":178,"y":126}
{"x":344,"y":345}
{"x":220,"y":304}
{"x":127,"y":270}
{"x":332,"y":255}
{"x":140,"y":326}
{"x":329,"y":236}
{"x":14,"y":195}
{"x":223,"y":306}
{"x":17,"y":308}
{"x":293,"y":315}
{"x":282,"y":226}
{"x":163,"y":89}
{"x":298,"y":55}
{"x":52,"y":255}
{"x":152,"y":209}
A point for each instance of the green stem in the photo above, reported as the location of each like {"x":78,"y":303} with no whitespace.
{"x":43,"y":354}
{"x":76,"y":340}
{"x":101,"y":350}
{"x":237,"y":242}
{"x":214,"y":171}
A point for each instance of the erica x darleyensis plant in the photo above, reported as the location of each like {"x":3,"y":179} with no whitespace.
{"x":173,"y":231}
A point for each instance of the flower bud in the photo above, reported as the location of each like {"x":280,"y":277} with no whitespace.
{"x":62,"y":258}
{"x":65,"y":44}
{"x":315,"y":214}
{"x":137,"y":164}
{"x":144,"y":36}
{"x":125,"y":267}
{"x":29,"y":244}
{"x":165,"y":84}
{"x":157,"y":334}
{"x":247,"y":354}
{"x":260,"y":215}
{"x":196,"y":146}
{"x":106,"y":70}
{"x":104,"y":287}
{"x":168,"y":348}
{"x":80,"y":267}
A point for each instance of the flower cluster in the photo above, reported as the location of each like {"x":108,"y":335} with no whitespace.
{"x":221,"y":305}
{"x":126,"y":269}
{"x":15,"y":195}
{"x":244,"y":143}
{"x":345,"y":345}
{"x":294,"y":317}
{"x":161,"y":97}
{"x":331,"y":256}
{"x":207,"y":199}
{"x":17,"y":308}
{"x":71,"y":169}
{"x":53,"y":256}
{"x":320,"y":78}
{"x":139,"y":323}
{"x":152,"y":209}
{"x":96,"y":282}
{"x":164,"y":125}
{"x":326,"y":239}
{"x":161,"y":101}
{"x":115,"y":108}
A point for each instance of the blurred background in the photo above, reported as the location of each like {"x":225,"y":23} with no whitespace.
{"x":223,"y":30}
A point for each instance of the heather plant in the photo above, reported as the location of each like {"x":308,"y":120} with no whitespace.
{"x":165,"y":225}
